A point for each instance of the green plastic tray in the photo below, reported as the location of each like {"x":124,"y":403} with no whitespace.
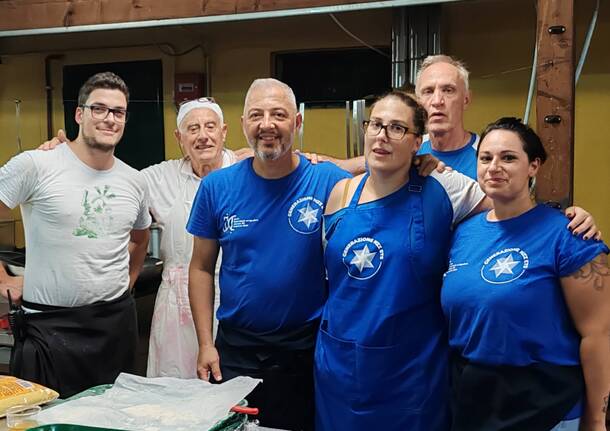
{"x":67,"y":427}
{"x":231,"y":423}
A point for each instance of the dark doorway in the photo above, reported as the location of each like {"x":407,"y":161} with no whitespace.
{"x":340,"y":74}
{"x":143,"y":141}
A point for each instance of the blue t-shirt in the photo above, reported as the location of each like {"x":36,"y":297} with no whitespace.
{"x":272,"y":274}
{"x":463,"y":160}
{"x":501,"y":295}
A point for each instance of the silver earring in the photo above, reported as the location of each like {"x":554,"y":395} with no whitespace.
{"x":532,"y":185}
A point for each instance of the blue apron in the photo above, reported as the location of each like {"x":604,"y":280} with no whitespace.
{"x":381,"y":355}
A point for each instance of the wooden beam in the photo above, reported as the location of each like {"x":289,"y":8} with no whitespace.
{"x":555,"y":99}
{"x":30,"y":14}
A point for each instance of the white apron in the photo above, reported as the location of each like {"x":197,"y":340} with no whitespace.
{"x":173,"y":346}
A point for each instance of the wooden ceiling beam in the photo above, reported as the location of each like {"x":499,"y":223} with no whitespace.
{"x":33,"y":14}
{"x":555,"y":99}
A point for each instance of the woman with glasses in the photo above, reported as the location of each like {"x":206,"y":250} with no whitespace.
{"x":527,"y":303}
{"x":381,"y":356}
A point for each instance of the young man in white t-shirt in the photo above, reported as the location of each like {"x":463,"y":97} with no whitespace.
{"x":86,"y":225}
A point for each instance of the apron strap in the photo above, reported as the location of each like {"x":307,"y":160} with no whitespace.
{"x":345,"y":190}
{"x":416,"y":181}
{"x":415,"y":187}
{"x":354,"y":202}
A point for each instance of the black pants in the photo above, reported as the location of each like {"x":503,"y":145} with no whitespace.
{"x":508,"y":398}
{"x":72,"y":349}
{"x":285,"y":398}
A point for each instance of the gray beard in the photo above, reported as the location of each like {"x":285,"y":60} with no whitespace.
{"x":272,"y":156}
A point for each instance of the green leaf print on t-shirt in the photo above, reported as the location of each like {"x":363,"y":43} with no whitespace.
{"x":96,"y":220}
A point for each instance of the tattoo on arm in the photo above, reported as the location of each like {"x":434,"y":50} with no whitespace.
{"x":605,"y":406}
{"x":597,"y":271}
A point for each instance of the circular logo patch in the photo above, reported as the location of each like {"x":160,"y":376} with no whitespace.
{"x":363,"y":257}
{"x":305,"y":214}
{"x":505,"y":266}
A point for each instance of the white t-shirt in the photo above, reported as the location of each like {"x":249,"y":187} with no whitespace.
{"x":77,"y":224}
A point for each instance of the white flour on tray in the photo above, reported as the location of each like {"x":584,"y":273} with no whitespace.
{"x":153,"y":404}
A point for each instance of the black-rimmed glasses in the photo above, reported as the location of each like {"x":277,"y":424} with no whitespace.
{"x":392,"y":130}
{"x":100,"y":112}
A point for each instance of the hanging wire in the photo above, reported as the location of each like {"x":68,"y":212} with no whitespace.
{"x":532,"y":84}
{"x":172,"y":52}
{"x":585,"y":48}
{"x":352,"y":35}
{"x":18,"y":125}
{"x":530,"y":91}
{"x":581,"y":62}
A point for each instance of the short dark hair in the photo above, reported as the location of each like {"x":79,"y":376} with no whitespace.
{"x":420,"y":116}
{"x":104,"y":80}
{"x":532,"y":145}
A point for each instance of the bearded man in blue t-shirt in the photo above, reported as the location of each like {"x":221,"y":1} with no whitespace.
{"x":265,"y":213}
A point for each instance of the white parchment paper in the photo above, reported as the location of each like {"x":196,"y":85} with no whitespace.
{"x":151,"y":404}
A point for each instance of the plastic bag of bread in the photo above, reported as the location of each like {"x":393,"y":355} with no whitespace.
{"x":14,"y":391}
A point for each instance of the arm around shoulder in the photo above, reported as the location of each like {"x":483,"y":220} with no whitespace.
{"x":466,"y":196}
{"x":587,"y":294}
{"x":484,"y":205}
{"x":355,"y":165}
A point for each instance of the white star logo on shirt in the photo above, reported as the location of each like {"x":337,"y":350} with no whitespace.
{"x":363,"y":258}
{"x":308,"y":215}
{"x":504,"y":265}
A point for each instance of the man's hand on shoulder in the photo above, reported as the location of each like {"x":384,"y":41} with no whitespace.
{"x":582,"y":222}
{"x":427,"y":163}
{"x":54,"y":142}
{"x":314,"y":158}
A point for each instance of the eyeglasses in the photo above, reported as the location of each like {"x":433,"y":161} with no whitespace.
{"x":100,"y":112}
{"x":392,"y":130}
{"x":199,"y":99}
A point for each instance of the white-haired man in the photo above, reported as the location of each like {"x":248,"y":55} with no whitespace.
{"x":265,"y":214}
{"x":201,"y":133}
{"x":442,"y":88}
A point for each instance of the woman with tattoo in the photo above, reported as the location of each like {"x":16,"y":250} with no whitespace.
{"x":527,"y":304}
